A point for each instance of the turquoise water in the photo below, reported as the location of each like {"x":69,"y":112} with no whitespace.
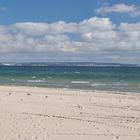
{"x":75,"y":77}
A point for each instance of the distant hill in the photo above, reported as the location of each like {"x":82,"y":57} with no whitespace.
{"x":92,"y":64}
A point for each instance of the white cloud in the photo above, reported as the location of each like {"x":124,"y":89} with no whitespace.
{"x":132,"y":10}
{"x":36,"y":29}
{"x":92,"y":35}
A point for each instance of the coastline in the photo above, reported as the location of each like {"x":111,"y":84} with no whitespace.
{"x":58,"y":113}
{"x":72,"y":89}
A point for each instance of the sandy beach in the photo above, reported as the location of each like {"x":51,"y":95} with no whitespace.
{"x":30,"y":113}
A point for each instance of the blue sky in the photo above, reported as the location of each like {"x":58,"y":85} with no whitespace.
{"x":70,"y":30}
{"x":55,"y":10}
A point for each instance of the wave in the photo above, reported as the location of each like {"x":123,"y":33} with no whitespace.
{"x":109,"y":84}
{"x":80,"y":82}
{"x":95,"y":85}
{"x":77,"y":72}
{"x":7,"y":64}
{"x":36,"y":81}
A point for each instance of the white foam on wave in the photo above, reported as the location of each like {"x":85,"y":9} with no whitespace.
{"x":80,"y":82}
{"x":77,"y":72}
{"x":95,"y":85}
{"x":33,"y":77}
{"x":109,"y":84}
{"x":35,"y":81}
{"x":7,"y":64}
{"x":12,"y":79}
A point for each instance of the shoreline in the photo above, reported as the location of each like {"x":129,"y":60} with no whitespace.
{"x":32,"y":113}
{"x":74,"y":89}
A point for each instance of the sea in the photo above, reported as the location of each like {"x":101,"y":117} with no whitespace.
{"x":84,"y":76}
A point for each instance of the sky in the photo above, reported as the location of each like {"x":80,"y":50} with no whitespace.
{"x":70,"y":31}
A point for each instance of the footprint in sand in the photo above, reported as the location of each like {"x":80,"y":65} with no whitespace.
{"x":28,"y":94}
{"x":80,"y":107}
{"x":18,"y":136}
{"x":117,"y":137}
{"x":46,"y":96}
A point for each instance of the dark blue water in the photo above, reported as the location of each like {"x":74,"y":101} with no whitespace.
{"x":75,"y":77}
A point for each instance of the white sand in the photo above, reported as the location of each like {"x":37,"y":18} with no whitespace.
{"x":29,"y":113}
